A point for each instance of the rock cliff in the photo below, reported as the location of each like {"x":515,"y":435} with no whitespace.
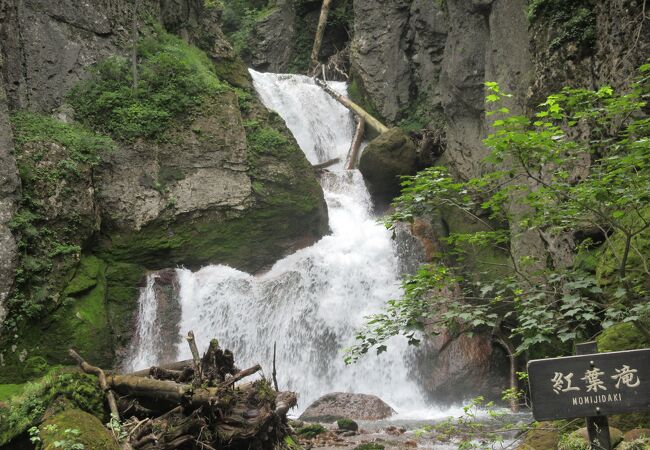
{"x":223,"y":181}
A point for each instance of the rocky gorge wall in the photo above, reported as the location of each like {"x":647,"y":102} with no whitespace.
{"x":421,"y":65}
{"x":225,"y":182}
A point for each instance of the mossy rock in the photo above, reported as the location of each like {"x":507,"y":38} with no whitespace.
{"x":544,"y":436}
{"x":627,"y":422}
{"x":81,"y":322}
{"x":622,"y":336}
{"x":636,"y":434}
{"x":385,"y":159}
{"x":310,"y":431}
{"x":581,"y":437}
{"x":76,"y":426}
{"x":58,"y":390}
{"x":638,"y":444}
{"x":370,"y":446}
{"x":347,"y":424}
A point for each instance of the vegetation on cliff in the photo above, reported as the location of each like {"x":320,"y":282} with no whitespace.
{"x":543,"y":189}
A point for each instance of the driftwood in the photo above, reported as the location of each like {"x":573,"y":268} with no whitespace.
{"x":196,"y":404}
{"x":318,"y":39}
{"x":353,"y":156}
{"x":370,"y":120}
{"x":326,"y":164}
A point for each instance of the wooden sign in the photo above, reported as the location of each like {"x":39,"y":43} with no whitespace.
{"x":598,"y":384}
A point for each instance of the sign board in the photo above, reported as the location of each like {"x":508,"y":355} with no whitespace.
{"x":598,"y":384}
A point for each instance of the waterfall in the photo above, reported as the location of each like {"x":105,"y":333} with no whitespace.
{"x":311,"y":302}
{"x":147,"y":336}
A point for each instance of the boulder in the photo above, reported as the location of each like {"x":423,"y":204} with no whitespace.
{"x":73,"y":427}
{"x":344,"y":405}
{"x":385,"y":159}
{"x":615,"y":435}
{"x":637,"y":433}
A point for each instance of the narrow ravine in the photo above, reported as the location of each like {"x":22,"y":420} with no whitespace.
{"x":311,"y":302}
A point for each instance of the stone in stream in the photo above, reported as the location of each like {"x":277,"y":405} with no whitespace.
{"x":341,"y":405}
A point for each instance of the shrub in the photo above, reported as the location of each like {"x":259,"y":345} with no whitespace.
{"x":174,"y":77}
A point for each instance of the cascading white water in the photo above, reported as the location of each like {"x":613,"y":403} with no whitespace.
{"x":147,"y":336}
{"x":312,"y":301}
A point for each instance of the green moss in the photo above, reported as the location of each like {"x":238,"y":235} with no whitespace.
{"x":173,"y":79}
{"x":570,"y":22}
{"x":291,"y":444}
{"x":80,"y":322}
{"x":347,"y":424}
{"x":310,"y":431}
{"x":122,"y":292}
{"x":234,"y":72}
{"x":627,"y":422}
{"x":622,"y":336}
{"x":76,"y":426}
{"x":10,"y":390}
{"x":545,"y":435}
{"x":53,"y":392}
{"x":370,"y":446}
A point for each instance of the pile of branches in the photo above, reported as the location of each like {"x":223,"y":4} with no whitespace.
{"x":195,"y":404}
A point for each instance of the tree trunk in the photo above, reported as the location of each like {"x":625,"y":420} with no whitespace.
{"x":371,"y":121}
{"x":353,"y":158}
{"x":320,"y":30}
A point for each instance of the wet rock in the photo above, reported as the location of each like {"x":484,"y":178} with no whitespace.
{"x":339,"y":405}
{"x":385,"y":159}
{"x":347,"y":425}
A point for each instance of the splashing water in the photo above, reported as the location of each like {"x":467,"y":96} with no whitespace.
{"x":311,"y":302}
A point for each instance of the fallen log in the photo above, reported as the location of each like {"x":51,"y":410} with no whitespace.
{"x":220,"y":413}
{"x":326,"y":164}
{"x":371,"y":121}
{"x":353,"y":155}
{"x":318,"y":39}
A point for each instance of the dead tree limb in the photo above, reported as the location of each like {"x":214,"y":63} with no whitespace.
{"x":239,"y":375}
{"x":87,"y":368}
{"x":284,"y":402}
{"x":320,"y":30}
{"x":371,"y":121}
{"x":195,"y":355}
{"x":508,"y":346}
{"x":353,"y":156}
{"x":275,"y":373}
{"x":179,"y":365}
{"x":326,"y":164}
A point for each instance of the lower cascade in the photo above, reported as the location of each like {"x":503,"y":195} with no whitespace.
{"x":311,"y":302}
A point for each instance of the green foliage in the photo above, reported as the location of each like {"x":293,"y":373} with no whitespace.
{"x":573,"y":21}
{"x":239,"y":18}
{"x":370,"y":446}
{"x":468,"y":432}
{"x":622,"y":336}
{"x":55,"y":391}
{"x":174,"y":77}
{"x":263,"y":139}
{"x":572,"y":441}
{"x":70,"y":436}
{"x":310,"y":431}
{"x":46,"y":171}
{"x":347,"y":424}
{"x":10,"y":390}
{"x":539,"y":303}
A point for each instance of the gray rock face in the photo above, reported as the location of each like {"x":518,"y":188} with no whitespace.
{"x":396,"y":51}
{"x":9,"y":190}
{"x":341,"y":405}
{"x":141,"y":182}
{"x":48,"y":45}
{"x":273,"y":39}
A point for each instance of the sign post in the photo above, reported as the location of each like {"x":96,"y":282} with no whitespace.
{"x":597,"y":426}
{"x":591,"y":385}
